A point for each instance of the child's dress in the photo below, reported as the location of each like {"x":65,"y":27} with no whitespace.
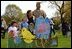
{"x":42,"y":28}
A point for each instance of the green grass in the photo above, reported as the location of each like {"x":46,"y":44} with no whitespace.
{"x":4,"y":42}
{"x":63,"y":42}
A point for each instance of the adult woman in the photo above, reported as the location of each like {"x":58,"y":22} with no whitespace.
{"x":30,"y":20}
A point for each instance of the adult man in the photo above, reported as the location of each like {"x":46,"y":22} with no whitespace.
{"x":41,"y":31}
{"x":38,"y":12}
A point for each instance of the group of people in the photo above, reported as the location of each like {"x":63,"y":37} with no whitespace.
{"x":29,"y":22}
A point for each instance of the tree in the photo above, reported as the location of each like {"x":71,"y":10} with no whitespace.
{"x":59,"y":5}
{"x":67,"y":9}
{"x":13,"y":12}
{"x":56,"y":22}
{"x":64,"y":9}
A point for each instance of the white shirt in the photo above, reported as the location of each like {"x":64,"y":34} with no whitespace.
{"x":14,"y":29}
{"x":52,"y":24}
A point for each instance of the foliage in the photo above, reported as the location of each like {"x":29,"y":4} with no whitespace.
{"x":13,"y":12}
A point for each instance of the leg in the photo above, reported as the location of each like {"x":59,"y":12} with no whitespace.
{"x":54,"y":31}
{"x":36,"y":42}
{"x":50,"y":32}
{"x":42,"y":43}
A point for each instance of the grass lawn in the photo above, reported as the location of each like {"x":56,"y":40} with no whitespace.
{"x":4,"y":42}
{"x":63,"y":42}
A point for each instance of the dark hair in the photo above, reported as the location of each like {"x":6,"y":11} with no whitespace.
{"x":51,"y":18}
{"x":28,"y":13}
{"x":13,"y":22}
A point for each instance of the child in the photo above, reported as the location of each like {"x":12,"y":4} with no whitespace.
{"x":13,"y":29}
{"x":13,"y":34}
{"x":24,"y":23}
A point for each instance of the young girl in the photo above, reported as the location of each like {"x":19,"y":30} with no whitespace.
{"x":13,"y":29}
{"x":13,"y":34}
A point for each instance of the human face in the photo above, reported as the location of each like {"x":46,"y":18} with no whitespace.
{"x":15,"y":24}
{"x":38,"y":6}
{"x":30,"y":14}
{"x":25,"y":19}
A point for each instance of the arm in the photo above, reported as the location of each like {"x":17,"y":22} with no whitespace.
{"x":44,"y":14}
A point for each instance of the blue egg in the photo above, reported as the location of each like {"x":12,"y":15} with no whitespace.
{"x":17,"y":40}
